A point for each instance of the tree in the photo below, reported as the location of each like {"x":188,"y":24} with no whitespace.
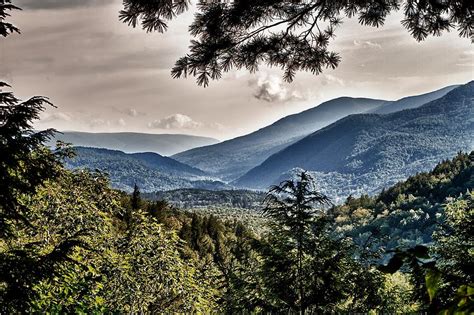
{"x":5,"y":27}
{"x":25,"y":163}
{"x":136,"y":199}
{"x":292,"y":35}
{"x":306,"y":266}
{"x":294,"y":214}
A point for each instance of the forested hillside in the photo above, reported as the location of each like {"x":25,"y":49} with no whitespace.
{"x":196,"y":198}
{"x":150,"y":171}
{"x":412,"y":101}
{"x":407,"y":213}
{"x":231,"y":159}
{"x":367,"y":152}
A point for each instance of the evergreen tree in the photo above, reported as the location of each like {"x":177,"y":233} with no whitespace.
{"x":306,"y":266}
{"x":5,"y":27}
{"x":136,"y":198}
{"x":292,"y":35}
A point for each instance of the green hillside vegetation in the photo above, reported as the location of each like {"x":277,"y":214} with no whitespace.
{"x":409,"y":212}
{"x":198,"y":198}
{"x":70,"y":243}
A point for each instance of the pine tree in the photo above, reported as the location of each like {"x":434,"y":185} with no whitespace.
{"x":136,"y":198}
{"x":292,"y":35}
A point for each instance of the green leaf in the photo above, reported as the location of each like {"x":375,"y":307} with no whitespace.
{"x":433,"y":282}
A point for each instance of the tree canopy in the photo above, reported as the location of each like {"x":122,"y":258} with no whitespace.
{"x":292,"y":35}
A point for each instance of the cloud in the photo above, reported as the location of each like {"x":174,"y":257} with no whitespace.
{"x":176,"y":121}
{"x":329,"y":79}
{"x":367,"y":44}
{"x":58,"y":116}
{"x":121,"y":122}
{"x":59,"y":4}
{"x":271,"y":89}
{"x":466,"y":59}
{"x":132,"y":112}
{"x":99,"y":122}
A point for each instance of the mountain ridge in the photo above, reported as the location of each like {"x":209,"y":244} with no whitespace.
{"x":132,"y":142}
{"x":150,"y":171}
{"x":231,"y":158}
{"x":363,"y":144}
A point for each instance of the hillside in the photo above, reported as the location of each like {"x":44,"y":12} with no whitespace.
{"x":367,"y":152}
{"x":412,"y":101}
{"x":231,"y":159}
{"x":199,"y":198}
{"x":408,"y":213}
{"x":150,"y":171}
{"x":130,"y":142}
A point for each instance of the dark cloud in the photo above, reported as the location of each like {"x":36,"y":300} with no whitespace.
{"x":59,"y":4}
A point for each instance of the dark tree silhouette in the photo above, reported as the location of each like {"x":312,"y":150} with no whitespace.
{"x":291,"y":34}
{"x":7,"y":28}
{"x":136,"y":199}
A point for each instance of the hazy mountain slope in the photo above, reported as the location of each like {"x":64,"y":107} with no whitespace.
{"x":370,"y":151}
{"x":164,"y":144}
{"x":232,"y":158}
{"x":150,"y":171}
{"x":412,"y":101}
{"x":202,"y":198}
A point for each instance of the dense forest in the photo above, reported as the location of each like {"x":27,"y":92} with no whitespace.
{"x":71,"y":244}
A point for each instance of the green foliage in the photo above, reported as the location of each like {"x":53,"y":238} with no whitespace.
{"x":68,"y":219}
{"x":453,"y":249}
{"x":306,"y":265}
{"x":25,"y":162}
{"x":408,"y":213}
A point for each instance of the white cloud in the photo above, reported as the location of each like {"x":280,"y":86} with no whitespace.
{"x":121,"y":122}
{"x":466,"y":59}
{"x":329,"y":79}
{"x":176,"y":121}
{"x":99,"y":122}
{"x":58,"y":116}
{"x":132,"y":112}
{"x":270,"y":88}
{"x":367,"y":44}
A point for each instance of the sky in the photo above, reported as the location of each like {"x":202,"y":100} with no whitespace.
{"x":105,"y":76}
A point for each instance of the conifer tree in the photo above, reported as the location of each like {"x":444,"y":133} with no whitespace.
{"x":292,"y":35}
{"x":136,"y":198}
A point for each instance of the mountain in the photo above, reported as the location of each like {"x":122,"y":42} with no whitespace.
{"x":150,"y":171}
{"x":367,"y":152}
{"x":412,"y":101}
{"x":408,"y":213}
{"x":231,"y":159}
{"x":164,"y":144}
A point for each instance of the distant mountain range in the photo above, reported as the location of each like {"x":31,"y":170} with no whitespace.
{"x":231,"y":159}
{"x":351,"y":145}
{"x":366,"y":152}
{"x":412,"y":101}
{"x":150,"y":171}
{"x":164,"y":144}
